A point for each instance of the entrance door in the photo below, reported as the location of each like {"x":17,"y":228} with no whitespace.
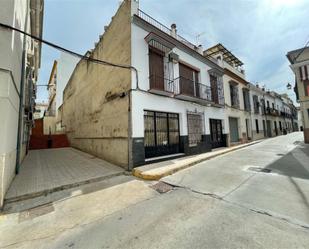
{"x":217,"y":139}
{"x":248,"y":128}
{"x":276,"y":128}
{"x":161,"y":134}
{"x":234,"y":135}
{"x":268,"y":128}
{"x":156,"y":69}
{"x":264,"y":128}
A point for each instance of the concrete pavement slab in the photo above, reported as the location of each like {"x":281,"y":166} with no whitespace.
{"x":24,"y":229}
{"x":45,"y":171}
{"x":182,"y":219}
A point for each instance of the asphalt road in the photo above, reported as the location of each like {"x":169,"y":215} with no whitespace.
{"x":225,"y":202}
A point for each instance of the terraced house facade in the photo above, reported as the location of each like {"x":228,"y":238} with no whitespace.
{"x":175,"y":99}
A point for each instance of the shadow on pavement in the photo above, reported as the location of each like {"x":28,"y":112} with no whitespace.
{"x":293,"y":164}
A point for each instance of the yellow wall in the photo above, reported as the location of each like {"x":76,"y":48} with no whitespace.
{"x":95,"y":117}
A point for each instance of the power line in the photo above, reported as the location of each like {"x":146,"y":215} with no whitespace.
{"x":83,"y":57}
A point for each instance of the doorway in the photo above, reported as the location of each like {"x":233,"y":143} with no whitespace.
{"x":217,"y":139}
{"x":161,"y":133}
{"x":234,"y":134}
{"x":268,"y":128}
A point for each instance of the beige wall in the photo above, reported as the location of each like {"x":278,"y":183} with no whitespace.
{"x":94,"y":115}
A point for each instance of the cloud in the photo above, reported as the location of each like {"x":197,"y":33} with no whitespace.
{"x":259,"y":32}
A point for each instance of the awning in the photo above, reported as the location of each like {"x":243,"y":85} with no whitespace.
{"x":159,"y":42}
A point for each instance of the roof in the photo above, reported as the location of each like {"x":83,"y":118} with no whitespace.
{"x":294,"y":54}
{"x":227,"y":55}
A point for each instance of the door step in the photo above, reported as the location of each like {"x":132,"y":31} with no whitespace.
{"x":162,"y":158}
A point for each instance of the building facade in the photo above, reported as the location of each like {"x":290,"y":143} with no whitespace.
{"x":19,"y":65}
{"x":299,"y":60}
{"x":173,"y":98}
{"x":237,"y":104}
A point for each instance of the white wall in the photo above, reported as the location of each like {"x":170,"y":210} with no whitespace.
{"x":66,"y":65}
{"x":145,"y":101}
{"x":12,"y":12}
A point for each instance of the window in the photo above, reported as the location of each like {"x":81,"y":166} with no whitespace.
{"x":257,"y":126}
{"x":273,"y":105}
{"x":246,"y":99}
{"x":306,"y":86}
{"x":263,"y":106}
{"x":188,"y":81}
{"x":255,"y":104}
{"x":280,"y":125}
{"x":195,"y":128}
{"x":267,"y":104}
{"x":234,"y":95}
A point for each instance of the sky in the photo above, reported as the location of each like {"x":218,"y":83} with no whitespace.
{"x":258,"y":32}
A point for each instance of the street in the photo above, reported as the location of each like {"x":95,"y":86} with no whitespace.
{"x":256,"y":197}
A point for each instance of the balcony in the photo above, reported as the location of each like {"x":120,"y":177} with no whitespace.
{"x":160,"y":85}
{"x":163,"y":28}
{"x":187,"y":89}
{"x":272,"y":111}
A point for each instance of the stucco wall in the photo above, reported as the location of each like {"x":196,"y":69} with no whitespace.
{"x":145,"y":101}
{"x":12,"y":12}
{"x":95,"y":116}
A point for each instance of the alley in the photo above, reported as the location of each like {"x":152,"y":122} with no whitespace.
{"x":224,"y":202}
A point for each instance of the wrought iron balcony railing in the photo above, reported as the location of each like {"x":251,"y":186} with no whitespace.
{"x":163,"y":28}
{"x":190,"y":88}
{"x":161,"y":84}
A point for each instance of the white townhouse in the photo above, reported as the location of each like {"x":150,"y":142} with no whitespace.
{"x":299,"y":60}
{"x":258,"y":116}
{"x":236,"y":95}
{"x":20,"y":61}
{"x":179,"y":107}
{"x":168,"y":98}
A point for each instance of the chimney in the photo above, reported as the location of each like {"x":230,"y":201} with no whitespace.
{"x":200,"y":49}
{"x":173,"y":30}
{"x":134,"y":7}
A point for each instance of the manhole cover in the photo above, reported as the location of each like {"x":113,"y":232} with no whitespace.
{"x":162,"y":187}
{"x":258,"y":169}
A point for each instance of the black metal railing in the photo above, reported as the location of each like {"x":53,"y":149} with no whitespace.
{"x":163,"y":28}
{"x":161,"y":83}
{"x":183,"y":86}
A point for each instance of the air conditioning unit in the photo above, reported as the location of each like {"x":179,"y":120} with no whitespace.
{"x":173,"y":57}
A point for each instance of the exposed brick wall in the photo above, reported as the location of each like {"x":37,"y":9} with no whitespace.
{"x":37,"y":130}
{"x":41,"y":141}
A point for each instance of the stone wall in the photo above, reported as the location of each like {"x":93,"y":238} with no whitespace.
{"x":96,"y":101}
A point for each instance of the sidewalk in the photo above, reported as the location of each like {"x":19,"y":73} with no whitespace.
{"x":46,"y":171}
{"x":156,"y":171}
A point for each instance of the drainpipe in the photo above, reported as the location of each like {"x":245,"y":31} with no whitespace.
{"x":130,"y":162}
{"x":21,"y":94}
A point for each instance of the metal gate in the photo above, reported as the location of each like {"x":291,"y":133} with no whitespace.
{"x":161,"y":134}
{"x":217,"y":139}
{"x":234,"y":135}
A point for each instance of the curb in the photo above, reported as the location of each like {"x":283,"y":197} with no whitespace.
{"x":157,"y":176}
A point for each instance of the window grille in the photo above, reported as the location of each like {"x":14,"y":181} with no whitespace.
{"x":195,"y":128}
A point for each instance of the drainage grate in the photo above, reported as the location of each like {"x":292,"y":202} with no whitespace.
{"x":162,"y":187}
{"x":258,"y":169}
